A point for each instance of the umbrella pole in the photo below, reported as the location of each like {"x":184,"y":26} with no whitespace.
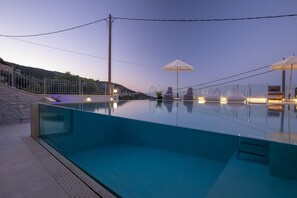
{"x":290,"y":81}
{"x":177,"y":83}
{"x":284,"y":83}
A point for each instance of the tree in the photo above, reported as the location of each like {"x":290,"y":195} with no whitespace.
{"x":68,"y":76}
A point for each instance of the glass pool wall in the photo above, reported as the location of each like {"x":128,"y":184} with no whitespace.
{"x":135,"y":158}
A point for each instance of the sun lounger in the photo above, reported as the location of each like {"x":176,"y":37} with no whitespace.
{"x":214,"y":96}
{"x":169,"y":94}
{"x":274,"y":93}
{"x":235,"y":96}
{"x":189,"y":94}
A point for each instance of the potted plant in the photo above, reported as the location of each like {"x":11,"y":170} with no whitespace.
{"x":159,"y":95}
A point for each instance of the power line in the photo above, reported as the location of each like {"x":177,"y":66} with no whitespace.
{"x":60,"y":49}
{"x":207,"y":20}
{"x":243,"y":78}
{"x":131,"y":63}
{"x":157,"y":20}
{"x":153,"y":20}
{"x":205,"y":83}
{"x":136,"y":64}
{"x":230,"y":81}
{"x":54,"y":32}
{"x":81,"y":53}
{"x":235,"y":75}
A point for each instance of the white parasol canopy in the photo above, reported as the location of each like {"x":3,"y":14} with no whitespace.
{"x":178,"y":65}
{"x":288,"y":63}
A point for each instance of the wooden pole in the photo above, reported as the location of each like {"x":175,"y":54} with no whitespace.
{"x":109,"y":56}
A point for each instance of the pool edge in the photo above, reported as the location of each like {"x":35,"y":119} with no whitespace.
{"x":90,"y":182}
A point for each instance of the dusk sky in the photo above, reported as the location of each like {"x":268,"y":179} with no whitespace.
{"x":140,"y":48}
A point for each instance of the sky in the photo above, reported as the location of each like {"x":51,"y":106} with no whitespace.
{"x":140,"y":49}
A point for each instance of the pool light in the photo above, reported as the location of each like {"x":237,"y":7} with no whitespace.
{"x":223,"y":100}
{"x":257,"y":100}
{"x":115,"y":105}
{"x":88,"y":99}
{"x":201,"y":100}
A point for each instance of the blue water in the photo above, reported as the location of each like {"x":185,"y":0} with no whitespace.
{"x":170,"y":157}
{"x":272,"y":122}
{"x":134,"y":171}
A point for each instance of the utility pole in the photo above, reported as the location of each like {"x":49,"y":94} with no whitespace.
{"x":109,"y":56}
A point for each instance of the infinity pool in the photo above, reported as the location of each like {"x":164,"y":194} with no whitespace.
{"x":261,"y":121}
{"x":178,"y":149}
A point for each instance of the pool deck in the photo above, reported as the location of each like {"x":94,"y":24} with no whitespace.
{"x":29,"y":170}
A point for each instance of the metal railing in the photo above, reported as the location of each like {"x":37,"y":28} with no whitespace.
{"x":52,"y":86}
{"x":248,"y":90}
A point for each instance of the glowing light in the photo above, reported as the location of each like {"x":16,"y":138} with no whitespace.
{"x":111,"y":99}
{"x":257,"y":100}
{"x":276,"y":107}
{"x":201,"y":100}
{"x":275,"y":101}
{"x":115,"y":105}
{"x":88,"y":99}
{"x":115,"y":91}
{"x":223,"y":100}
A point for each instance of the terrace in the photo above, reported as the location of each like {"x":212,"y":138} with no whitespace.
{"x":28,"y":170}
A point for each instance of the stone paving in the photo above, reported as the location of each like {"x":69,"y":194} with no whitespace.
{"x":28,"y":170}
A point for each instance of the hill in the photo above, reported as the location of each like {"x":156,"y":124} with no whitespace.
{"x":124,"y":92}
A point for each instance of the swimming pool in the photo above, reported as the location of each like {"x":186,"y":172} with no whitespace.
{"x":272,"y":122}
{"x":153,"y":149}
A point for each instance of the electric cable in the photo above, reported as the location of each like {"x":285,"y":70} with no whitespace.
{"x":217,"y":80}
{"x":56,"y":48}
{"x":159,"y":20}
{"x":81,"y":53}
{"x":206,"y":20}
{"x":223,"y":83}
{"x":243,"y":78}
{"x":136,"y":64}
{"x":54,"y":32}
{"x":154,"y":20}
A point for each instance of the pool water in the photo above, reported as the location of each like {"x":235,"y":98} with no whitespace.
{"x":261,"y":121}
{"x":134,"y":171}
{"x":142,"y":149}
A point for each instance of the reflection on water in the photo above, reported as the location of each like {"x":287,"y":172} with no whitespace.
{"x":273,"y":122}
{"x":213,"y":106}
{"x":169,"y":106}
{"x":189,"y":106}
{"x":286,"y":115}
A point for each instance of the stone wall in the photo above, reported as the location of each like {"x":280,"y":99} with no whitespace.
{"x":15,"y":104}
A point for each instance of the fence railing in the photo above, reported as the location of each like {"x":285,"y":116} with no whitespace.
{"x":52,"y":86}
{"x":248,"y":90}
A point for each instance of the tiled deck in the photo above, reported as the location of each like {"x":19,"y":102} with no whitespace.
{"x":29,"y":170}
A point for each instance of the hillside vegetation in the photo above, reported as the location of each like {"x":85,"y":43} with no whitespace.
{"x":124,"y":92}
